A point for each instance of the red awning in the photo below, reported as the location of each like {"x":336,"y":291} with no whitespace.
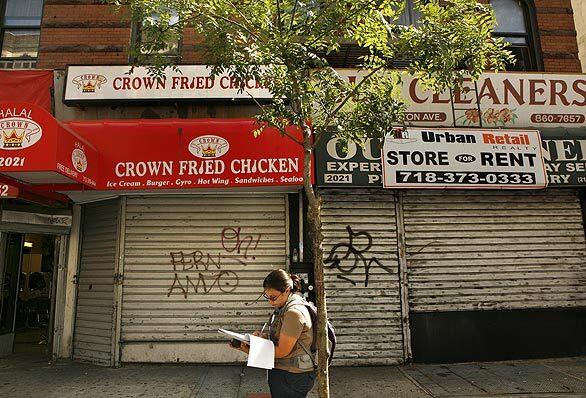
{"x":36,"y":149}
{"x":196,"y":153}
{"x":30,"y":86}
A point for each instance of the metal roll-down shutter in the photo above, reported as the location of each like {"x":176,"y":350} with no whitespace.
{"x":360,"y":233}
{"x":94,"y":319}
{"x":193,"y":264}
{"x":474,"y":250}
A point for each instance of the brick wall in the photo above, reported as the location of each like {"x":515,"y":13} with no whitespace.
{"x":557,"y":33}
{"x":82,"y":32}
{"x":89,"y":32}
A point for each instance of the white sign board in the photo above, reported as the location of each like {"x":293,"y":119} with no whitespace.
{"x":450,"y":158}
{"x":499,"y":100}
{"x":116,"y":83}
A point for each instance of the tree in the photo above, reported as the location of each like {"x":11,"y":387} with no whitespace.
{"x":286,"y":44}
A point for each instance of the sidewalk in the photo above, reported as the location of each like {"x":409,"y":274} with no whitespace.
{"x":25,"y":376}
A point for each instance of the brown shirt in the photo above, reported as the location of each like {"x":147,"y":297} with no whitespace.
{"x":295,"y":322}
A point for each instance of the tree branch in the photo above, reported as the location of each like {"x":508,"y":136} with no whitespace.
{"x":352,"y":93}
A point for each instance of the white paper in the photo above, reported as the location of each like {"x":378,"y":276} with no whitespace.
{"x":242,"y":337}
{"x":261,"y":353}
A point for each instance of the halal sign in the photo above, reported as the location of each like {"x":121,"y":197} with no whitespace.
{"x":18,"y":130}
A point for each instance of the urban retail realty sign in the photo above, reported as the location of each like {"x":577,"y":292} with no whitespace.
{"x":444,"y":158}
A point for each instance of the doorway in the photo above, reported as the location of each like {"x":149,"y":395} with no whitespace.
{"x":27,"y":293}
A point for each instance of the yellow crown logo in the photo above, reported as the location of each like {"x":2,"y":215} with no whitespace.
{"x":208,"y":152}
{"x":13,"y":140}
{"x":79,"y":165}
{"x":89,"y":88}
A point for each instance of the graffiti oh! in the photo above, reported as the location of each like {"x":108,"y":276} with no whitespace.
{"x":347,"y":257}
{"x":198,"y":272}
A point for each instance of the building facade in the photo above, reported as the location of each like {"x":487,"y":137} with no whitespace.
{"x":579,"y":19}
{"x":170,"y":240}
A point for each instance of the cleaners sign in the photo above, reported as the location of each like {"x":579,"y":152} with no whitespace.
{"x":444,"y":158}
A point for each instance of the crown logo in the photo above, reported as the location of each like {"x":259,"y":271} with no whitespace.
{"x":89,"y":88}
{"x":79,"y":165}
{"x":89,"y":83}
{"x":13,"y":140}
{"x":208,"y":152}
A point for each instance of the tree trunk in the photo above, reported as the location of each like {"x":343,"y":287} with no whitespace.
{"x":314,"y":220}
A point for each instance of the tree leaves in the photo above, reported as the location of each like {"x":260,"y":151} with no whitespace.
{"x":283,"y":43}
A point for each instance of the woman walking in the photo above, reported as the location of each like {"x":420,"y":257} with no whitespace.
{"x":291,"y":330}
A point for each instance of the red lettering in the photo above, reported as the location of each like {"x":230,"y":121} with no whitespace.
{"x":579,"y":91}
{"x":136,"y":83}
{"x":184,"y":83}
{"x":224,"y":82}
{"x":125,"y":83}
{"x":561,"y":93}
{"x":175,"y":80}
{"x":413,"y":93}
{"x":510,"y":90}
{"x":488,"y":91}
{"x":116,"y":80}
{"x":534,"y":91}
{"x":438,"y":100}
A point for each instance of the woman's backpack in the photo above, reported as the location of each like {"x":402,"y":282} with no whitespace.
{"x":312,"y":309}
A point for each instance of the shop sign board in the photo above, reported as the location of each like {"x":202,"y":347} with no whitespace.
{"x":565,"y":160}
{"x":349,"y":165}
{"x":197,"y":153}
{"x":186,"y":82}
{"x":457,"y":158}
{"x":500,"y":100}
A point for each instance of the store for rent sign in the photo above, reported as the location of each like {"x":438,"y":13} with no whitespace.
{"x":117,"y":83}
{"x":443,"y":158}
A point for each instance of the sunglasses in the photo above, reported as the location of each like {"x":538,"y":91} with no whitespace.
{"x":272,"y":298}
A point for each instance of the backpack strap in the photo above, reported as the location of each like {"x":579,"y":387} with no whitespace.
{"x":298,"y":342}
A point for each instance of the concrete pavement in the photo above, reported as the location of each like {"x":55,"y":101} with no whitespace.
{"x":28,"y":376}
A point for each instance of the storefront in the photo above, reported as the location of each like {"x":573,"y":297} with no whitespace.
{"x":202,"y":219}
{"x":176,"y":226}
{"x":35,"y":220}
{"x":488,"y":273}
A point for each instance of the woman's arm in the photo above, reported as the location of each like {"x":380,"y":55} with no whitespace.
{"x":285,"y":346}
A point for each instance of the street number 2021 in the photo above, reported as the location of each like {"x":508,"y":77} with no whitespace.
{"x":12,"y":161}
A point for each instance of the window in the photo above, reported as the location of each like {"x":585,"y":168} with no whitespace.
{"x":20,"y":29}
{"x":514,"y":25}
{"x":410,"y":15}
{"x":145,"y":38}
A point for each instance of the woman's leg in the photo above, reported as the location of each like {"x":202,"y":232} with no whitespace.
{"x":284,"y":384}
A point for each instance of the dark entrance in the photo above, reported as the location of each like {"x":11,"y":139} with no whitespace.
{"x":27,"y":293}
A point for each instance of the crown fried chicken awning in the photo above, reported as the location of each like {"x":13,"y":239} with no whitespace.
{"x":196,"y":153}
{"x":38,"y":150}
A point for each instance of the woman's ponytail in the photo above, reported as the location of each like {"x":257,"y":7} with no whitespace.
{"x":296,"y":282}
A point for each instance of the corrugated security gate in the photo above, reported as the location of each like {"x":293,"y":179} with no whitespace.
{"x":361,"y":275}
{"x":193,"y":264}
{"x":94,"y":321}
{"x":471,"y":250}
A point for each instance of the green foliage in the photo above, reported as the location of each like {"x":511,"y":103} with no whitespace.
{"x":284,"y":44}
